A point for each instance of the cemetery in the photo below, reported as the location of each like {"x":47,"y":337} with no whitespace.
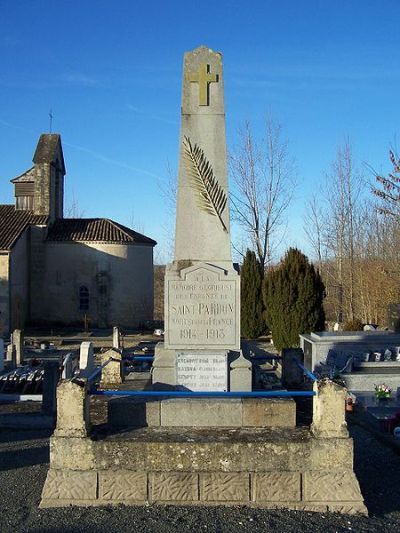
{"x":192,"y":416}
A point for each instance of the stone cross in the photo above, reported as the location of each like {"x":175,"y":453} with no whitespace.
{"x":203,"y":77}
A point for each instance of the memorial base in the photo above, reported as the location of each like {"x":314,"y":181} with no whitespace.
{"x":200,"y":370}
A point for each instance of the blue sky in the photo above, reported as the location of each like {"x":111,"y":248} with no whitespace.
{"x":111,"y":73}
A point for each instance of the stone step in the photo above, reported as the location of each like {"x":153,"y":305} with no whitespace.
{"x":202,"y":412}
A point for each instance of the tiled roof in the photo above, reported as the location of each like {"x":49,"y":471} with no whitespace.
{"x":94,"y":229}
{"x":29,"y":175}
{"x":13,"y":222}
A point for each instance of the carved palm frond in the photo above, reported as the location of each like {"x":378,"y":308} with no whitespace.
{"x":211,"y":197}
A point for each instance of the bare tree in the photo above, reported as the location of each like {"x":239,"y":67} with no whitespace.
{"x":168,"y":187}
{"x":314,"y":228}
{"x":344,"y":189}
{"x":73,"y":210}
{"x":263,"y":177}
{"x":389,"y":190}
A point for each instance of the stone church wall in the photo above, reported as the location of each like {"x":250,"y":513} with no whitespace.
{"x":19,"y":281}
{"x":4,"y":294}
{"x":119,"y":279}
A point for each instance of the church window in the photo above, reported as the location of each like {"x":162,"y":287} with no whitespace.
{"x":83,"y":298}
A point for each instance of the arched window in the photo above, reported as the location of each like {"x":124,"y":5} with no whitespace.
{"x":83,"y":298}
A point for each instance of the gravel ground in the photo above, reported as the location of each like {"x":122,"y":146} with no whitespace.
{"x":24,"y":457}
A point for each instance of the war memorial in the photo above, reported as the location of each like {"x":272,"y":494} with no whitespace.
{"x":171,"y":444}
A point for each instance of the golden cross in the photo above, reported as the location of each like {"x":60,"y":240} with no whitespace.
{"x":203,"y":78}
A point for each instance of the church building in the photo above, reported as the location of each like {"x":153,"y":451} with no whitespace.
{"x":64,"y":271}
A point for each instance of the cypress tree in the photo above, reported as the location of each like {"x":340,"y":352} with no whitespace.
{"x":251,"y":318}
{"x":293,"y":295}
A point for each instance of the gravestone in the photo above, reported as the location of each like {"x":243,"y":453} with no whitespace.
{"x":10,"y":355}
{"x":202,"y":289}
{"x":1,"y":355}
{"x":86,"y":359}
{"x":18,"y":341}
{"x":116,"y":344}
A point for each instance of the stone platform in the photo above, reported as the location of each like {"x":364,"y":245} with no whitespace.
{"x":258,"y":467}
{"x":202,"y":412}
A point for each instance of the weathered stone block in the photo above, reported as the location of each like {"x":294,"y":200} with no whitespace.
{"x":72,"y":453}
{"x":110,"y":454}
{"x":331,"y":487}
{"x":123,"y":485}
{"x":329,"y":410}
{"x":268,"y":412}
{"x":276,"y":487}
{"x":70,"y":485}
{"x":201,"y":412}
{"x":219,"y":487}
{"x":173,"y":487}
{"x":225,"y":456}
{"x":331,"y":454}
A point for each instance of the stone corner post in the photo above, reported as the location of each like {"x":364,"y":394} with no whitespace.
{"x":329,"y":410}
{"x":72,"y":409}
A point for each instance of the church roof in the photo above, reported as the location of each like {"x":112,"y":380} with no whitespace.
{"x":29,"y":175}
{"x":47,"y":148}
{"x":13,"y":222}
{"x":94,"y":229}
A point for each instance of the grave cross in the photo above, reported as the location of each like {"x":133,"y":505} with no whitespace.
{"x":203,"y":77}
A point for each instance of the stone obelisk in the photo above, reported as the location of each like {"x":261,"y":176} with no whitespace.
{"x":202,"y":290}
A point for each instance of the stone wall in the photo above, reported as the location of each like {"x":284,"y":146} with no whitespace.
{"x":19,"y":281}
{"x":4,"y":294}
{"x":119,"y":278}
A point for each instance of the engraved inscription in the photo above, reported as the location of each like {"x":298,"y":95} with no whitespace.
{"x":202,"y":310}
{"x":202,"y":372}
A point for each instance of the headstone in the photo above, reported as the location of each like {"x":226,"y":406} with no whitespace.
{"x":116,"y":338}
{"x":292,"y":374}
{"x":1,"y":355}
{"x":10,"y":355}
{"x":50,"y":381}
{"x":112,"y":373}
{"x":69,"y":366}
{"x":369,"y":327}
{"x":202,"y":289}
{"x":18,"y":341}
{"x":86,"y":359}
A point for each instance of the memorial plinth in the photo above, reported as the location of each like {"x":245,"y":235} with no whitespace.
{"x":202,"y":289}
